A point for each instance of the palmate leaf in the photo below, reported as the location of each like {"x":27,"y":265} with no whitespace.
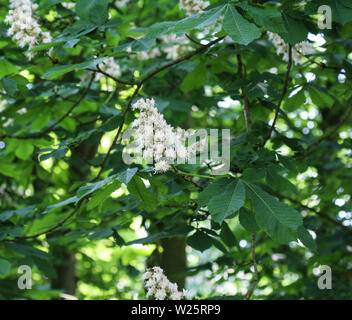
{"x":238,"y":28}
{"x":278,"y":219}
{"x":228,"y":202}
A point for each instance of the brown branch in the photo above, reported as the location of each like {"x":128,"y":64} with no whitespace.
{"x":99,"y":70}
{"x":188,"y":179}
{"x":254,"y":262}
{"x":283,"y":94}
{"x":41,"y":134}
{"x":54,"y":227}
{"x":246,"y":105}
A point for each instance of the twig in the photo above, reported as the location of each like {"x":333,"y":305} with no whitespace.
{"x":283,"y":94}
{"x":54,"y":227}
{"x":254,"y":262}
{"x":188,"y":179}
{"x":242,"y":74}
{"x":99,"y":70}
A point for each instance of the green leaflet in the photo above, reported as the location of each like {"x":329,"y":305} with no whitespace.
{"x":88,"y":189}
{"x":228,"y":202}
{"x":126,"y":176}
{"x":278,"y":219}
{"x":214,"y":188}
{"x":306,"y":238}
{"x":269,"y":19}
{"x":238,"y":28}
{"x":247,"y":220}
{"x":4,"y":266}
{"x":199,"y":21}
{"x":139,"y":191}
{"x":171,"y":232}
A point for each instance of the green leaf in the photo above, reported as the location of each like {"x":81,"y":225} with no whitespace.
{"x":296,"y":29}
{"x":228,"y":202}
{"x":278,"y":219}
{"x":296,"y":101}
{"x":290,"y":164}
{"x":319,"y":97}
{"x":57,"y":154}
{"x":238,"y":28}
{"x":88,"y":189}
{"x":211,"y":190}
{"x":58,"y":71}
{"x":6,"y":68}
{"x":118,"y":239}
{"x":227,"y":235}
{"x":24,"y":149}
{"x":199,"y":21}
{"x":10,"y":85}
{"x":4,"y":266}
{"x":178,"y":231}
{"x":200,"y":241}
{"x":45,"y":268}
{"x":101,"y":234}
{"x":194,"y":79}
{"x":306,"y":238}
{"x":126,"y":176}
{"x":247,"y":220}
{"x":139,"y":191}
{"x":253,"y":174}
{"x":99,"y":196}
{"x":278,"y":183}
{"x":270,"y":19}
{"x":95,"y":11}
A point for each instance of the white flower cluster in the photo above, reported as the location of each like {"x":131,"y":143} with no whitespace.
{"x":25,"y":28}
{"x":193,"y":6}
{"x":159,"y":141}
{"x":172,"y":46}
{"x":109,"y":66}
{"x":298,"y":51}
{"x":159,"y":287}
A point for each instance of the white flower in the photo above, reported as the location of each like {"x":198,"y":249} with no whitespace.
{"x":160,"y":294}
{"x":298,"y":51}
{"x":162,"y":166}
{"x":24,"y":27}
{"x":159,"y":140}
{"x":159,"y":287}
{"x":176,"y":296}
{"x":187,"y":294}
{"x":193,"y":6}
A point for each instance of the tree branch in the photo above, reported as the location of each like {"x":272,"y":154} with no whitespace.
{"x":54,"y":227}
{"x":254,"y":262}
{"x":283,"y":94}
